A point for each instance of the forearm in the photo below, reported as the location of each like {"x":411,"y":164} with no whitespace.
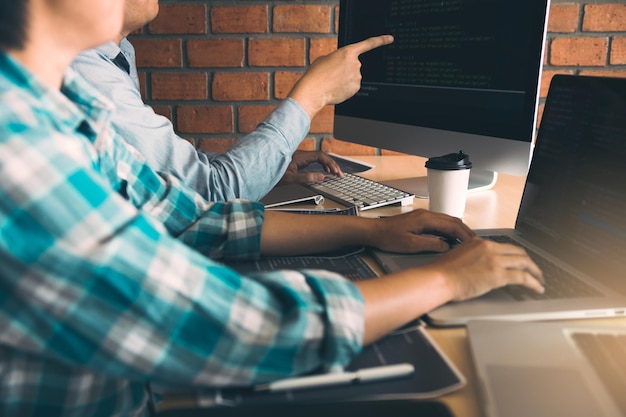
{"x":393,"y":300}
{"x":294,"y":234}
{"x":248,"y":170}
{"x":184,"y":306}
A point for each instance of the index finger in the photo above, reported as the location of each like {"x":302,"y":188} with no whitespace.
{"x":371,"y":43}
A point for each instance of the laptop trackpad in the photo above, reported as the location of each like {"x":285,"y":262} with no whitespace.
{"x":555,"y":392}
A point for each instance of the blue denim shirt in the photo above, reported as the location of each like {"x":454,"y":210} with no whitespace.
{"x":249,"y":169}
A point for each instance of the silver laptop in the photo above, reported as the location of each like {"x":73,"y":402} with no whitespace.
{"x":556,"y":369}
{"x":572,"y":218}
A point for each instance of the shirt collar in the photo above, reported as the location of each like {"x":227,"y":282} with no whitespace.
{"x":109,"y":49}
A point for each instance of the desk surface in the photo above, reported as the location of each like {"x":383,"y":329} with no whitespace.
{"x":486,"y":209}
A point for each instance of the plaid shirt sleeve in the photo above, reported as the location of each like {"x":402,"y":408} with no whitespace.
{"x":99,"y":285}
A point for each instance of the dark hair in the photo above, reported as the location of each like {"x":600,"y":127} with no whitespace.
{"x":13,"y":23}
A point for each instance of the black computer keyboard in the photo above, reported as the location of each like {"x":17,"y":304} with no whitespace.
{"x":365,"y":194}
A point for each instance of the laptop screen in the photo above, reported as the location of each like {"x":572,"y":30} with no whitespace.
{"x":574,"y":202}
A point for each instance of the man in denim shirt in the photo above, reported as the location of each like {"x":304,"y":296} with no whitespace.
{"x":255,"y":163}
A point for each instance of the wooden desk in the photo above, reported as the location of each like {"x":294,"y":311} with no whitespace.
{"x":486,"y":209}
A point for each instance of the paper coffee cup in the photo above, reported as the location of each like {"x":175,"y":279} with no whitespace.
{"x":448,"y":179}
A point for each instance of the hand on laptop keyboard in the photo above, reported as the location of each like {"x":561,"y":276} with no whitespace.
{"x":478,"y":266}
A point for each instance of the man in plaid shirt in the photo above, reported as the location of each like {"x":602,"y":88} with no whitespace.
{"x":109,"y":272}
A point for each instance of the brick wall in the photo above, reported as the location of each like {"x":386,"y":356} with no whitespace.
{"x":217,"y":68}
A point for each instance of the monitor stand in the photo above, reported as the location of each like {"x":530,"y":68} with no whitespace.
{"x":480,"y":180}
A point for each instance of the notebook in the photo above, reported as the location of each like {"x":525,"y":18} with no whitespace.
{"x":434,"y":376}
{"x":549,"y":369}
{"x":291,"y":194}
{"x":572,"y":213}
{"x":396,"y":408}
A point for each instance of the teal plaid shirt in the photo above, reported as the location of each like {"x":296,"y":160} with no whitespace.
{"x":108,"y":278}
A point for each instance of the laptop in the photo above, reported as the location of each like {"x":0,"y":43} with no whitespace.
{"x":572,"y":217}
{"x":556,"y":369}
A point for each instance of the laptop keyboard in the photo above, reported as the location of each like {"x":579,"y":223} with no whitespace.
{"x":352,"y":267}
{"x":353,"y":190}
{"x":607,"y":355}
{"x":558,"y":282}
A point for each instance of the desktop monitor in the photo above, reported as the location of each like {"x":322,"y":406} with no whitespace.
{"x":460,"y":75}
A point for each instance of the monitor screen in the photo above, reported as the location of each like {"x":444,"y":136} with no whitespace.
{"x":460,"y":75}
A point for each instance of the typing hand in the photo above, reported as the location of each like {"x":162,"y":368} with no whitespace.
{"x":477,"y":266}
{"x":420,"y":231}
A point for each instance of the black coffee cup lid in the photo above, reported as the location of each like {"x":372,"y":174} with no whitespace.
{"x":450,"y":162}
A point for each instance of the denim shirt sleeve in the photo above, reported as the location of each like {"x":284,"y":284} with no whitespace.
{"x":248,"y":170}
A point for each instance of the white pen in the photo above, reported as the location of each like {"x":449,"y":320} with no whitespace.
{"x":362,"y":375}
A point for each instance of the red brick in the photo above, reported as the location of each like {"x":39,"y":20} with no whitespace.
{"x":308,"y":144}
{"x":546,"y":78}
{"x":604,"y":17}
{"x":163,"y":111}
{"x":181,"y":18}
{"x":323,"y":120}
{"x":215,"y":53}
{"x":579,"y":51}
{"x":605,"y":72}
{"x":539,"y":115}
{"x":332,"y":145}
{"x":205,"y":119}
{"x":618,"y":51}
{"x":191,"y":141}
{"x":284,"y":82}
{"x":158,"y":53}
{"x":216,"y":145}
{"x":251,"y":116}
{"x":142,"y":84}
{"x":179,"y":86}
{"x":321,"y":47}
{"x":601,"y":51}
{"x":239,"y":19}
{"x":563,"y":17}
{"x":244,"y":86}
{"x":301,"y":19}
{"x":276,"y":52}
